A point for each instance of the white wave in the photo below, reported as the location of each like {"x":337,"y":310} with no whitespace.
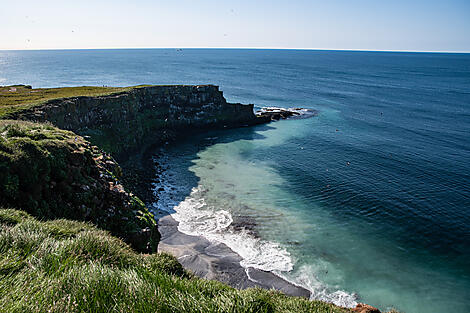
{"x":319,"y":291}
{"x":196,"y":218}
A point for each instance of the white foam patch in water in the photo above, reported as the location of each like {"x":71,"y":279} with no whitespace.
{"x":305,"y":278}
{"x":196,"y":218}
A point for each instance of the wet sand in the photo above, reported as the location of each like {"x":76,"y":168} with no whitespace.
{"x":216,"y":261}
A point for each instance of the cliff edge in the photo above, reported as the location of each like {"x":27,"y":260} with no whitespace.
{"x":49,"y":168}
{"x":122,"y":122}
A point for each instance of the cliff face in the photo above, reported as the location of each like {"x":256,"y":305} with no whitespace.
{"x":143,"y":116}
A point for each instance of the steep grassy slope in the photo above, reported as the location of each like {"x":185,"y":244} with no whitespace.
{"x":67,"y":266}
{"x":52,"y":173}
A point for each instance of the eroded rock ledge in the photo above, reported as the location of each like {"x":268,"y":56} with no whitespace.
{"x":275,"y":113}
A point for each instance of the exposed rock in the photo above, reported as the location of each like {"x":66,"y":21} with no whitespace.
{"x":275,"y":114}
{"x":365,"y":308}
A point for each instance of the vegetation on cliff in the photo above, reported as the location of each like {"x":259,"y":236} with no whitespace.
{"x":52,"y":173}
{"x":19,"y":97}
{"x":68,"y":266}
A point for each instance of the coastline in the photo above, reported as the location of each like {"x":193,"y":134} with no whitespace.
{"x":206,"y":259}
{"x":203,"y":255}
{"x":216,"y":261}
{"x":210,"y":258}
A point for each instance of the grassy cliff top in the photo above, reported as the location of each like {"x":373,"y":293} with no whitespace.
{"x":69,"y":266}
{"x":20,"y":97}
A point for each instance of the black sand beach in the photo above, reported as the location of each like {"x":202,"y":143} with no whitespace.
{"x":216,"y":261}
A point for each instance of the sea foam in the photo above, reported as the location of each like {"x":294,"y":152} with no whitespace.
{"x":196,"y":218}
{"x":305,"y":277}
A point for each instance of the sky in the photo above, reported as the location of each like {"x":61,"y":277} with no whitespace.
{"x":411,"y":25}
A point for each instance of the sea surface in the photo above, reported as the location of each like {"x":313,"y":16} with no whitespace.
{"x":369,"y":201}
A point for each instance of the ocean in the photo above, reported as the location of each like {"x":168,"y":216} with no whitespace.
{"x":368,"y":201}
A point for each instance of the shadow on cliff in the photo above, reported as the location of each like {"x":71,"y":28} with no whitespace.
{"x":174,"y":181}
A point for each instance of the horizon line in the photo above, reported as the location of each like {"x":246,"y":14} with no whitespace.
{"x":243,"y":48}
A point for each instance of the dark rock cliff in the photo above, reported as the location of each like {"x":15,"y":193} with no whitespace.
{"x":144,"y":116}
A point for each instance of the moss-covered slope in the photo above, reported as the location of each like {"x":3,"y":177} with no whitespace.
{"x":66,"y":266}
{"x":52,"y":173}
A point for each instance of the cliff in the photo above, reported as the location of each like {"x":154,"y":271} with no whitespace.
{"x":51,"y":262}
{"x":143,"y":116}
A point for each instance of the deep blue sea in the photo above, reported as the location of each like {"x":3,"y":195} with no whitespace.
{"x":369,"y":201}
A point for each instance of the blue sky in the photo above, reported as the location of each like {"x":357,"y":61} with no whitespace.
{"x":433,"y":25}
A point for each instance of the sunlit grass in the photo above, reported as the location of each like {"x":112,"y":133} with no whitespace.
{"x":20,"y":97}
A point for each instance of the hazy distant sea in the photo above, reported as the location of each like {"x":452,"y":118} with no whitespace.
{"x":369,"y":201}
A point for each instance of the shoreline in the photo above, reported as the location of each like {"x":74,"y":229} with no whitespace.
{"x":216,"y":261}
{"x":212,"y":260}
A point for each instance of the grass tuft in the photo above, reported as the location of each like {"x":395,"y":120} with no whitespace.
{"x":12,"y":216}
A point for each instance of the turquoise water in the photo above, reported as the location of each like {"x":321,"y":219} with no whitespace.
{"x":368,"y":201}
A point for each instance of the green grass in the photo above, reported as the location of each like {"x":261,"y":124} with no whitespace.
{"x":67,"y":266}
{"x":20,"y":97}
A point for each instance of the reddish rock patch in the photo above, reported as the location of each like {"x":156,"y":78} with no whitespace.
{"x":365,"y":308}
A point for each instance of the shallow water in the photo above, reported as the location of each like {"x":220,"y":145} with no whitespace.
{"x":368,"y":201}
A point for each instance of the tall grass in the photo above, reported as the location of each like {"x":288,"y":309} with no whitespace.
{"x":67,"y":266}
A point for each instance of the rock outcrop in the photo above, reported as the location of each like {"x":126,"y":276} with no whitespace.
{"x":275,"y":114}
